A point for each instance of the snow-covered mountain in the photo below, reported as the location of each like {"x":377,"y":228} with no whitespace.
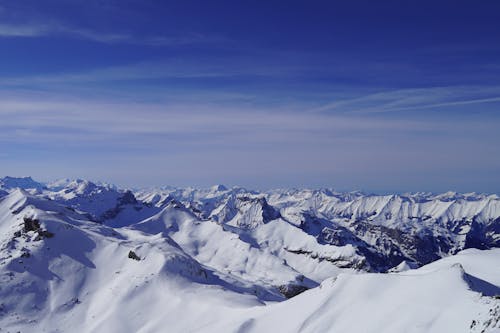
{"x":384,"y":229}
{"x":82,"y":256}
{"x":26,"y":183}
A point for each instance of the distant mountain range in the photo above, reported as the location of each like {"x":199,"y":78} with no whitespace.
{"x":101,"y":255}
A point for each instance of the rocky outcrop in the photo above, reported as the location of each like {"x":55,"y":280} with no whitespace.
{"x":133,"y":255}
{"x":31,"y":224}
{"x":291,"y":290}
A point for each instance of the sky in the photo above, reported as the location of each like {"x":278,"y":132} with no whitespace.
{"x":379,"y":96}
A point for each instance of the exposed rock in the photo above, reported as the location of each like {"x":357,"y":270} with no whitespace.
{"x":31,"y":224}
{"x":291,"y":290}
{"x":133,"y":255}
{"x":128,"y":198}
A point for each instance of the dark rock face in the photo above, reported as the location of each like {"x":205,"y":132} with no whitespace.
{"x":394,"y":245}
{"x":176,"y":204}
{"x":128,"y":198}
{"x":291,"y":290}
{"x":491,"y":231}
{"x":31,"y":224}
{"x":390,"y":246}
{"x":269,"y":213}
{"x":133,"y":255}
{"x":476,"y":237}
{"x":338,"y":236}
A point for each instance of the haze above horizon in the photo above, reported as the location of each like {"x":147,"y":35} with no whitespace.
{"x":380,"y":97}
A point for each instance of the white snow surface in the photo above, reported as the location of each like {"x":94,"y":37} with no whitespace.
{"x":215,"y":260}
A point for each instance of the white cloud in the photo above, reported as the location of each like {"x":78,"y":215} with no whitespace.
{"x":7,"y":30}
{"x":414,"y":99}
{"x":53,"y":116}
{"x":39,"y":30}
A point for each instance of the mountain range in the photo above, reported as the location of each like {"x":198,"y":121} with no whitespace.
{"x":81,"y":256}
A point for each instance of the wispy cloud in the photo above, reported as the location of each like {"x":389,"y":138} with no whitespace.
{"x":223,"y":142}
{"x":7,"y":30}
{"x":175,"y":68}
{"x":177,"y":141}
{"x":414,"y":99}
{"x":44,"y":30}
{"x":171,"y":68}
{"x":30,"y":117}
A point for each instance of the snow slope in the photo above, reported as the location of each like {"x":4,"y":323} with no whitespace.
{"x":441,"y":297}
{"x":82,"y":279}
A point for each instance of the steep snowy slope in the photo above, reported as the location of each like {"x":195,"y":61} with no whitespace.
{"x":439,"y":298}
{"x":262,"y":256}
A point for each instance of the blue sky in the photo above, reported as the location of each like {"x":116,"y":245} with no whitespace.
{"x":392,"y":96}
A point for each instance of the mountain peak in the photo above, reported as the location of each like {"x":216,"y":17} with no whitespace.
{"x":218,"y":188}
